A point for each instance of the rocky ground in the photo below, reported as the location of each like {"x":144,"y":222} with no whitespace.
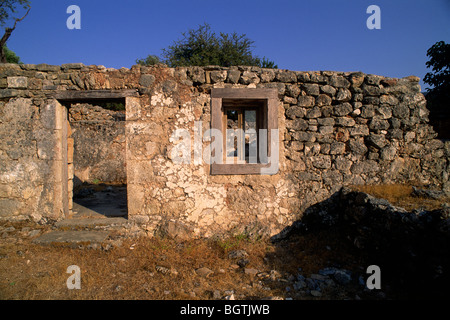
{"x":308,"y":267}
{"x":324,"y":257}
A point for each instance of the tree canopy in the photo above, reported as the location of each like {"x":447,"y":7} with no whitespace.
{"x":8,"y":9}
{"x":202,"y":47}
{"x":439,"y":63}
{"x":438,"y":96}
{"x":149,"y":61}
{"x":11,"y":56}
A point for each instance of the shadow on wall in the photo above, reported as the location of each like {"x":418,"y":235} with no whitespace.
{"x":340,"y":237}
{"x":93,"y":199}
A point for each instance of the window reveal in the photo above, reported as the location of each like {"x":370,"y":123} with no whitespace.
{"x":242,"y":115}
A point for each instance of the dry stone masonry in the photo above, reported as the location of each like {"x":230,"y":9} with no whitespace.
{"x":335,"y":129}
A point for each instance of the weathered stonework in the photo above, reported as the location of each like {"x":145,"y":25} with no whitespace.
{"x":335,"y":129}
{"x":99,"y":149}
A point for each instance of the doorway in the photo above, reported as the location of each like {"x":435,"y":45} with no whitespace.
{"x":96,"y":154}
{"x":99,"y":168}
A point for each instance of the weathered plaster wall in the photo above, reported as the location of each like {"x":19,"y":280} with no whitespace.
{"x":335,"y":128}
{"x":32,"y":164}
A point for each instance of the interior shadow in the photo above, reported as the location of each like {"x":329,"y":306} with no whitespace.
{"x":327,"y":252}
{"x":109,"y":200}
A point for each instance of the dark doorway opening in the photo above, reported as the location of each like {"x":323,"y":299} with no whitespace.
{"x":109,"y":200}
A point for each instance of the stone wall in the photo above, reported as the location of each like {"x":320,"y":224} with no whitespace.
{"x":99,"y":144}
{"x":33,"y":168}
{"x":402,"y":243}
{"x":335,"y":129}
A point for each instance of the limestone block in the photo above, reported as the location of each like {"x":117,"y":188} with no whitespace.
{"x":197,"y":74}
{"x":286,"y":76}
{"x":332,"y":177}
{"x":345,"y":122}
{"x":295,"y":112}
{"x":304,"y":136}
{"x":136,"y":199}
{"x":78,"y":65}
{"x":343,"y":95}
{"x":343,"y":164}
{"x":311,"y":89}
{"x":267,"y":75}
{"x":321,"y":162}
{"x":6,"y":191}
{"x":133,"y":108}
{"x":17,"y":82}
{"x":339,"y":81}
{"x":71,"y":171}
{"x":369,"y":90}
{"x":359,"y":130}
{"x":337,"y":148}
{"x":313,"y":113}
{"x":249,"y":77}
{"x":60,"y":201}
{"x":69,"y":129}
{"x":18,"y":110}
{"x":358,"y":147}
{"x":233,"y":76}
{"x":305,"y":101}
{"x":356,"y":79}
{"x":368,"y":166}
{"x":378,"y":124}
{"x":343,"y":109}
{"x":323,"y":100}
{"x":45,"y":143}
{"x":303,"y":76}
{"x":140,"y":172}
{"x":70,"y":188}
{"x":70,"y":150}
{"x":292,"y":90}
{"x":328,"y":90}
{"x":60,"y":116}
{"x":48,"y":116}
{"x":389,"y":153}
{"x":297,"y":124}
{"x":47,"y":67}
{"x":377,"y":140}
{"x":218,"y":76}
{"x":10,"y":207}
{"x":326,"y":129}
{"x":176,"y":230}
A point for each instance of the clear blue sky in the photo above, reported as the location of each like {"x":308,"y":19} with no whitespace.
{"x":296,"y":34}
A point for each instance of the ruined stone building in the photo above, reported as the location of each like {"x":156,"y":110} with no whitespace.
{"x":333,"y":129}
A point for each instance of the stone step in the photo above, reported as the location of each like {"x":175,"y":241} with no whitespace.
{"x":90,"y":223}
{"x":96,"y":211}
{"x":72,"y":238}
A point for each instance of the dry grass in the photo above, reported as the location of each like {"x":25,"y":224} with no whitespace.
{"x":29,"y":271}
{"x":401,"y":195}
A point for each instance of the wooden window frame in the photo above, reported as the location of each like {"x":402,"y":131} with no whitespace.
{"x":240,"y":158}
{"x":265,"y":100}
